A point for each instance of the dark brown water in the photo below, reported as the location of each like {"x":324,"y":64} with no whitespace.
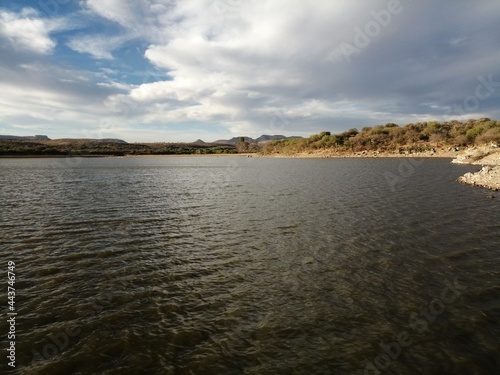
{"x":250,"y":266}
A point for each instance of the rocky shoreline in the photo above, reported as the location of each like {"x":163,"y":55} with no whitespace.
{"x":489,"y":175}
{"x":449,"y":152}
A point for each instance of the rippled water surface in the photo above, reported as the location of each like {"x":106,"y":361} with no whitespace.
{"x":231,"y":265}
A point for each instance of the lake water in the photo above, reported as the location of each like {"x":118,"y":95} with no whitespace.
{"x":233,"y":265}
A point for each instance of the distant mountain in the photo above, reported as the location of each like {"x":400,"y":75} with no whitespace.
{"x":29,"y":137}
{"x":268,"y":138}
{"x":45,"y":138}
{"x":234,"y":140}
{"x":109,"y":140}
{"x":262,"y":138}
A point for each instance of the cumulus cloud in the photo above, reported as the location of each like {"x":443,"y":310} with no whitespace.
{"x":26,"y":30}
{"x":138,"y":17}
{"x":247,"y":60}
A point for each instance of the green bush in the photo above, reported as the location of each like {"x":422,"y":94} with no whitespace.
{"x":471,"y":134}
{"x":491,"y":135}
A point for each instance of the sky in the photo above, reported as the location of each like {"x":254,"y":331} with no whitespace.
{"x":170,"y":71}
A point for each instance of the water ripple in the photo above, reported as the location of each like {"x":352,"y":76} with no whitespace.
{"x":250,"y":266}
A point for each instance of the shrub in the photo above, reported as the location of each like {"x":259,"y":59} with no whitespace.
{"x":474,"y":132}
{"x":489,"y":136}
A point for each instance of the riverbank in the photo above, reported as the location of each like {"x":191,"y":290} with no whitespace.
{"x":243,"y":155}
{"x":489,"y":158}
{"x":246,"y":155}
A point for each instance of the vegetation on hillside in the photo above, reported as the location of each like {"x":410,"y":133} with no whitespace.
{"x":418,"y":137}
{"x":12,"y":147}
{"x":242,"y":146}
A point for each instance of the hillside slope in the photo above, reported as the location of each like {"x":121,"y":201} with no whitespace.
{"x":430,"y":138}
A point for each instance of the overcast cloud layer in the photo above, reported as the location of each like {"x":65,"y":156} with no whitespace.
{"x":146,"y":70}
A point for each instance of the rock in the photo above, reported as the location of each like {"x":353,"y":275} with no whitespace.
{"x":488,"y":177}
{"x":481,"y":155}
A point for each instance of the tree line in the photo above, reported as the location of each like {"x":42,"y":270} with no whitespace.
{"x":12,"y":147}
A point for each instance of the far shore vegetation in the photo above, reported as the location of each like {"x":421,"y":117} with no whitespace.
{"x":388,"y":138}
{"x":82,"y":147}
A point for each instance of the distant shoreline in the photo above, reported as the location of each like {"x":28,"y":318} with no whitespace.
{"x":117,"y":156}
{"x":52,"y":156}
{"x":320,"y":154}
{"x":314,"y":155}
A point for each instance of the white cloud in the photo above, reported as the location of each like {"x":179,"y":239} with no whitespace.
{"x":26,"y":30}
{"x":98,"y":46}
{"x":138,"y":17}
{"x":231,"y":69}
{"x":114,"y":10}
{"x":241,"y":62}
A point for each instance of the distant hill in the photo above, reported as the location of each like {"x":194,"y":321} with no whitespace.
{"x":28,"y":138}
{"x":106,"y":140}
{"x":391,"y":138}
{"x":262,"y":138}
{"x":45,"y":138}
{"x":234,"y":140}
